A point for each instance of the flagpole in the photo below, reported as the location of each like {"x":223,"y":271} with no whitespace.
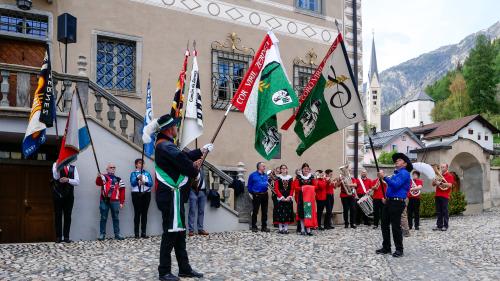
{"x":181,"y":95}
{"x":217,"y":131}
{"x":88,"y":130}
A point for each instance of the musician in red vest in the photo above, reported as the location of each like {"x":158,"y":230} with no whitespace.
{"x":378,"y":200}
{"x":63,"y":194}
{"x":414,"y":200}
{"x":330,"y":189}
{"x":320,"y":197}
{"x":443,"y":190}
{"x":363,"y":185}
{"x":112,"y":198}
{"x":348,"y":202}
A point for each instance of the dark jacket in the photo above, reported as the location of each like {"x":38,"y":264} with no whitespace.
{"x":174,"y":163}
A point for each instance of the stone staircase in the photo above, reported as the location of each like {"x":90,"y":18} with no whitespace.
{"x":18,"y":85}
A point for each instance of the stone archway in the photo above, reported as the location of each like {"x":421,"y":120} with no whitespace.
{"x":471,"y":164}
{"x":469,"y":170}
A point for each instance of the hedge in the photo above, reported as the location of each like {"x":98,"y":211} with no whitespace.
{"x":457,"y":204}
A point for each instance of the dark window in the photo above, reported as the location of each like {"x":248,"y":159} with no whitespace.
{"x":414,"y":114}
{"x":403,"y":138}
{"x":374,"y":102}
{"x":374,"y":92}
{"x":228,"y":69}
{"x":116,"y":64}
{"x":309,"y":5}
{"x":394,"y":147}
{"x":25,"y":23}
{"x":478,"y":136}
{"x":485,"y":138}
{"x":301,"y":76}
{"x":471,"y":131}
{"x":374,"y":97}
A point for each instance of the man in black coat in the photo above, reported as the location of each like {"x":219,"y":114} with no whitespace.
{"x":173,"y":170}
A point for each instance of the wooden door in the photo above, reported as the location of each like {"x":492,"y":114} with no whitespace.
{"x":26,"y":206}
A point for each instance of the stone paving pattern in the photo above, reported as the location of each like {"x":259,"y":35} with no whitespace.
{"x":470,"y":250}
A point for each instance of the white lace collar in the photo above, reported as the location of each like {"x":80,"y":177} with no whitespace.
{"x":287,"y":177}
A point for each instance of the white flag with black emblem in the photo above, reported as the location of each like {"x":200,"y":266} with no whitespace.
{"x":192,"y":127}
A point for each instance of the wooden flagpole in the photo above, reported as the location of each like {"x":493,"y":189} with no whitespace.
{"x":88,"y":130}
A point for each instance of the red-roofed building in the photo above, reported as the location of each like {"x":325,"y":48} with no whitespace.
{"x":473,"y":127}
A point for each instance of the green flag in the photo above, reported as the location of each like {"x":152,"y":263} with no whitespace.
{"x":330,"y":101}
{"x":275,"y":94}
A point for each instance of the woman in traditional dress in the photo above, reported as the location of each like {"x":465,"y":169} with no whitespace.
{"x":304,"y":186}
{"x":283,"y":213}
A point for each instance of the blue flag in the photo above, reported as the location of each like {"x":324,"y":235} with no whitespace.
{"x":149,"y":148}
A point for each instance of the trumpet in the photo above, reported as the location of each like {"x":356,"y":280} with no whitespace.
{"x":346,"y":180}
{"x":439,"y":178}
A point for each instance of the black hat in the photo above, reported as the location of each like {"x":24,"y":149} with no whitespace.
{"x":402,"y":156}
{"x":167,"y":121}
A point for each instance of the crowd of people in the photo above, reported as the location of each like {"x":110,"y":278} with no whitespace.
{"x":307,"y":199}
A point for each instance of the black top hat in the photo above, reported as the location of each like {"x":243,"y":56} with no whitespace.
{"x":167,"y":121}
{"x":402,"y":156}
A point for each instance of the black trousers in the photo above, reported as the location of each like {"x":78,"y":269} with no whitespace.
{"x":348,"y":204}
{"x":260,"y":201}
{"x":169,"y":241}
{"x":377,"y":211}
{"x":442,"y":212}
{"x":63,"y":206}
{"x":320,"y":206}
{"x":141,"y":201}
{"x":391,"y":218}
{"x":360,"y":214}
{"x":329,"y":210}
{"x":413,"y":212}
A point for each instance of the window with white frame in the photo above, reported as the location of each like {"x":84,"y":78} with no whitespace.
{"x":24,"y":23}
{"x":309,"y":5}
{"x":116,"y":64}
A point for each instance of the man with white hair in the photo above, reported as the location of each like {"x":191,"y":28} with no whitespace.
{"x":112,"y":198}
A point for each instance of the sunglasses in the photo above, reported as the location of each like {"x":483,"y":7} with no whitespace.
{"x":112,"y":167}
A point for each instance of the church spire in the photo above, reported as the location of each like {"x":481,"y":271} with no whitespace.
{"x":373,"y":62}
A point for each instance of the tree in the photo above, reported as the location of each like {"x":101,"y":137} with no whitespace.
{"x":479,"y":73}
{"x":459,"y":101}
{"x":386,"y":157}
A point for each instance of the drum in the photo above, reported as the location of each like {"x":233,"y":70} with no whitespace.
{"x":366,"y":204}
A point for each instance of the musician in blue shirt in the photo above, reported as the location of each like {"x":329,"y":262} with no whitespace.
{"x":398,"y":186}
{"x":257,"y":187}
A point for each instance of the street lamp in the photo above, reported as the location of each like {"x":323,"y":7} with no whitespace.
{"x":24,"y":4}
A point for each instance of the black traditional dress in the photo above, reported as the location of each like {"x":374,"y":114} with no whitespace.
{"x":283,"y":212}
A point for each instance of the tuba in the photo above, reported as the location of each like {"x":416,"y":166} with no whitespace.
{"x":346,"y":180}
{"x":439,"y":177}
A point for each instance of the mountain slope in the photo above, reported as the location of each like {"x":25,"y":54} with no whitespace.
{"x":402,"y":81}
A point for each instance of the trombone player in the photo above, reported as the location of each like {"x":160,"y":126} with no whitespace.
{"x":443,"y":182}
{"x":398,"y":186}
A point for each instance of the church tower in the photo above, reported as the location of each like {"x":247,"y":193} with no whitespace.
{"x":373,"y":97}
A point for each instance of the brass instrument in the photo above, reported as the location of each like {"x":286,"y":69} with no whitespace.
{"x":439,"y":178}
{"x":413,"y":191}
{"x":346,"y":180}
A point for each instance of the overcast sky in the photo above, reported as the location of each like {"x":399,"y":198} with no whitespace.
{"x":404,"y":29}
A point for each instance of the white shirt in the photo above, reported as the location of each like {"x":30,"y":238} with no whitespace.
{"x":74,"y":181}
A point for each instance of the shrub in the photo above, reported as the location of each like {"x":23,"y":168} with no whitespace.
{"x":457,"y":204}
{"x":386,"y":157}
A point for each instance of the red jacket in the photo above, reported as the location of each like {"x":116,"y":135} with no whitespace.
{"x":417,"y":183}
{"x":343,"y":194}
{"x":377,"y":194}
{"x":321,"y":189}
{"x":445,"y":193}
{"x":114,"y":188}
{"x":330,"y":188}
{"x":359,"y":188}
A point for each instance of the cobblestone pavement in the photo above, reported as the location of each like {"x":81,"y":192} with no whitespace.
{"x":470,"y":250}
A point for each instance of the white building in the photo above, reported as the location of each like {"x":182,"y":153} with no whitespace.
{"x":473,"y":127}
{"x":416,"y":111}
{"x":372,"y":94}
